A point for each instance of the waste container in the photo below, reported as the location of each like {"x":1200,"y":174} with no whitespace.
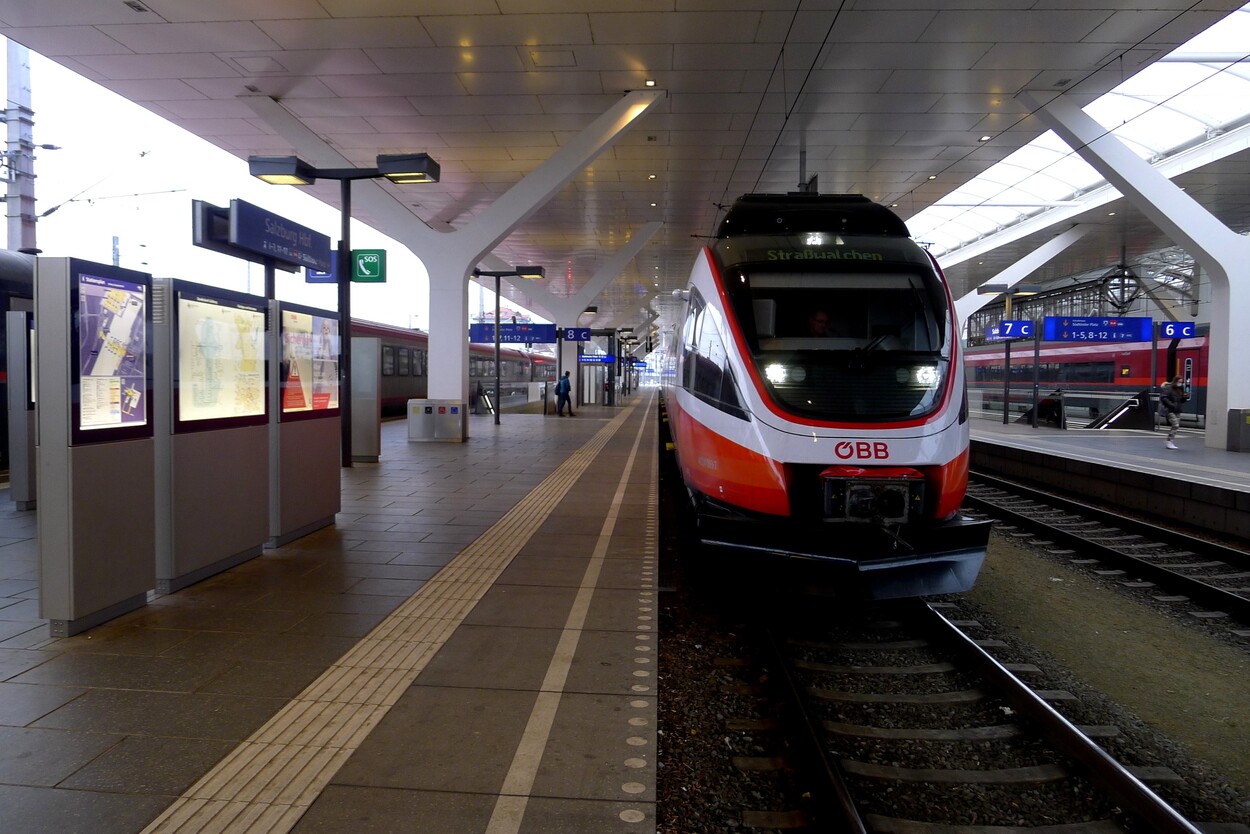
{"x":436,"y":420}
{"x":1239,"y":430}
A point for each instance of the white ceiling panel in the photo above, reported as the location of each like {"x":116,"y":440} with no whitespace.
{"x":875,"y":95}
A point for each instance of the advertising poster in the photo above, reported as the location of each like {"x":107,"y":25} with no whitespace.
{"x":310,"y":362}
{"x":112,"y":351}
{"x":221,"y":358}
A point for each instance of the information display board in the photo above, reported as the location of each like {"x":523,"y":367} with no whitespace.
{"x":1098,"y":329}
{"x":219,"y":359}
{"x":111,"y":322}
{"x":310,"y":362}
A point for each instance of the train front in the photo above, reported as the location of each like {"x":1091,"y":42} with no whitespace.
{"x":837,"y":432}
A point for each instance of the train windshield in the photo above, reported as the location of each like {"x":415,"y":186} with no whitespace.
{"x":848,"y":346}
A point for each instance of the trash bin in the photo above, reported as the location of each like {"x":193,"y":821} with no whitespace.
{"x":420,"y":420}
{"x":1239,"y":430}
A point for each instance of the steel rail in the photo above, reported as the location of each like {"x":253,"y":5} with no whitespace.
{"x":1237,"y":607}
{"x":1126,"y":788}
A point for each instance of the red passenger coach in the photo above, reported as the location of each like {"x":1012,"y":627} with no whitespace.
{"x":817,"y":404}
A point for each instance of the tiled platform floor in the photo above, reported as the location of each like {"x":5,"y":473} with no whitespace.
{"x":101,"y":732}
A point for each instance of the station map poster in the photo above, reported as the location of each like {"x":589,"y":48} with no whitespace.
{"x":112,"y":353}
{"x":310,"y":362}
{"x":221,"y":358}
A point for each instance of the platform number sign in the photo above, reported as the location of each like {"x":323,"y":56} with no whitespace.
{"x":1177,"y":329}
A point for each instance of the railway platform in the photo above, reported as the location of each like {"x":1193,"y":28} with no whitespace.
{"x":470,"y":648}
{"x":1130,"y":468}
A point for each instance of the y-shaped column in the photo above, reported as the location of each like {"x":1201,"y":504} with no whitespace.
{"x":1221,"y":252}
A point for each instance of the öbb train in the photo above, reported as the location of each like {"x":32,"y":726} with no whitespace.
{"x":1092,"y":381}
{"x":816,"y":398}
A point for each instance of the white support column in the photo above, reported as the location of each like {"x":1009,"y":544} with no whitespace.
{"x":1017,"y":272}
{"x":1222,"y":253}
{"x":450,"y":256}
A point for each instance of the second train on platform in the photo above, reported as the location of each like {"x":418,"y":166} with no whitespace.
{"x":816,"y":398}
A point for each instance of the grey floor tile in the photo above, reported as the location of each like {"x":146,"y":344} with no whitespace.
{"x":45,"y":757}
{"x":150,"y":765}
{"x":56,"y":811}
{"x":196,"y":715}
{"x":20,"y":704}
{"x":367,"y":810}
{"x":507,"y":658}
{"x":437,"y":724}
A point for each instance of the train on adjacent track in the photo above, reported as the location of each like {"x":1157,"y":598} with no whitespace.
{"x":405,"y":362}
{"x":816,"y":398}
{"x":1091,"y":380}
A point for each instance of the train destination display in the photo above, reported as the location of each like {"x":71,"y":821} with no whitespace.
{"x":221,"y":358}
{"x":112,"y":353}
{"x":310,"y":362}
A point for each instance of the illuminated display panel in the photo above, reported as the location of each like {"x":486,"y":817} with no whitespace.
{"x":219,"y":359}
{"x":310,"y":363}
{"x":111,"y":321}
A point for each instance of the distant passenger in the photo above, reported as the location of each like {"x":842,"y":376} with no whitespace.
{"x":563,"y":389}
{"x":1170,"y":402}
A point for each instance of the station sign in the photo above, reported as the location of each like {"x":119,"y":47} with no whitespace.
{"x":1009,"y":329}
{"x":575,"y":334}
{"x":513,"y":333}
{"x":262,"y":232}
{"x":1177,"y":329}
{"x":1098,"y":329}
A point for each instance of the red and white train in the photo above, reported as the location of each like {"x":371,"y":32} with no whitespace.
{"x":816,"y":397}
{"x":405,"y":358}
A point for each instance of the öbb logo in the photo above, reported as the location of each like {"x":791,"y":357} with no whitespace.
{"x":845,"y":450}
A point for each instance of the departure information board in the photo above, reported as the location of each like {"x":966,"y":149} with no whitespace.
{"x":1098,"y":329}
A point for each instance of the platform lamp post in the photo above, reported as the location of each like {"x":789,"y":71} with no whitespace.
{"x":531,"y":273}
{"x":1008,"y":292}
{"x":291,"y":170}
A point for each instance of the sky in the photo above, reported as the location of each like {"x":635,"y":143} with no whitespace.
{"x":123,"y":171}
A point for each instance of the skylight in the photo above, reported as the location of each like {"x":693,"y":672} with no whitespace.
{"x":1194,"y":94}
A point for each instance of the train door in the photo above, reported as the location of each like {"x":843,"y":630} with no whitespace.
{"x":1187,"y":366}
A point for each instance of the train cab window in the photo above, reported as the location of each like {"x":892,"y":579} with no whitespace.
{"x":388,"y":360}
{"x":851,"y":345}
{"x":403,"y":362}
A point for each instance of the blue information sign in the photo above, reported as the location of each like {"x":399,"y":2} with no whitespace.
{"x":575,"y":334}
{"x":1177,"y":329}
{"x":1010,"y":329}
{"x":256,"y":230}
{"x":513,"y":333}
{"x":316,"y":276}
{"x":1097,"y":329}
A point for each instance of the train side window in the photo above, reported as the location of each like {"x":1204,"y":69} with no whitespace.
{"x":388,"y":360}
{"x":403,"y":362}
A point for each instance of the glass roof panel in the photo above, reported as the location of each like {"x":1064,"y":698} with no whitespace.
{"x":1167,"y":106}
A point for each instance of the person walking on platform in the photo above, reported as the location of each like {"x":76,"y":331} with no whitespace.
{"x":1170,"y":402}
{"x":563,"y":388}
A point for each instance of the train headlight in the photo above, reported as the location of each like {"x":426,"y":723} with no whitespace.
{"x":776,"y":373}
{"x":926,"y":375}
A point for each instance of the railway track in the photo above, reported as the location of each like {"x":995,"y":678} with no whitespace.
{"x":1214,"y":579}
{"x":920,"y":726}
